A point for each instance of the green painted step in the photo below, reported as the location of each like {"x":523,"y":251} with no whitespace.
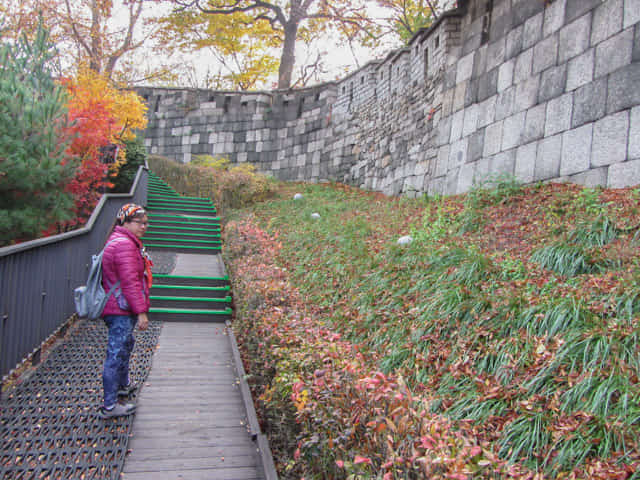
{"x":184,"y":197}
{"x":190,"y":280}
{"x":164,"y":193}
{"x":191,"y":303}
{"x":181,"y":197}
{"x":188,"y":315}
{"x":182,"y":209}
{"x":175,"y":205}
{"x":181,"y":242}
{"x":154,"y":217}
{"x":190,"y":291}
{"x":186,"y":249}
{"x":179,"y":205}
{"x":202,"y":236}
{"x":177,"y":201}
{"x":188,"y":228}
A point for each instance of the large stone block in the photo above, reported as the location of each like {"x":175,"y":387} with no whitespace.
{"x":552,"y":83}
{"x":532,"y":33}
{"x":503,"y":163}
{"x":523,"y":10}
{"x":523,"y":67}
{"x":589,"y":103}
{"x":580,"y":70}
{"x":493,"y":139}
{"x":610,"y":137}
{"x":559,"y":113}
{"x":554,"y":15}
{"x":470,"y":120}
{"x":501,"y":22}
{"x":576,"y":150}
{"x":636,"y":44}
{"x":545,"y":54}
{"x":482,"y":170}
{"x":476,"y":145}
{"x":457,"y":122}
{"x":505,"y":104}
{"x":534,"y":123}
{"x":574,"y":38}
{"x":591,"y":178}
{"x":623,"y":88}
{"x":488,"y":85}
{"x":548,"y":158}
{"x":480,"y":62}
{"x":525,"y":162}
{"x":487,"y":112}
{"x":631,"y":13}
{"x":514,"y":42}
{"x":607,"y":20}
{"x":465,"y":68}
{"x":527,"y":93}
{"x":505,"y":75}
{"x":496,"y":53}
{"x":465,"y":178}
{"x":512,"y":131}
{"x":443,"y":160}
{"x":451,"y":182}
{"x":458,"y":153}
{"x":614,"y":53}
{"x":577,"y":8}
{"x":634,"y":134}
{"x":625,"y":174}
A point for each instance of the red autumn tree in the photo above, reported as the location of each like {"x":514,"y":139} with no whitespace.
{"x":100,"y":115}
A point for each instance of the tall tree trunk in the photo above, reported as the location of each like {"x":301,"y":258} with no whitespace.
{"x":288,"y":58}
{"x":95,"y":54}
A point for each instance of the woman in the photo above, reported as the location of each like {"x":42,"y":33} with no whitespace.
{"x":124,"y":261}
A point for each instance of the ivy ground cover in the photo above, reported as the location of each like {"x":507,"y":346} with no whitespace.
{"x":502,"y":342}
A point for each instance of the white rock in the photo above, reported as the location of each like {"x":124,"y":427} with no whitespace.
{"x":406,"y":240}
{"x":297,"y":196}
{"x":315,"y":216}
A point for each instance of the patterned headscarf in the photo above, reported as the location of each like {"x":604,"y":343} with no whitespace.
{"x":128,"y":212}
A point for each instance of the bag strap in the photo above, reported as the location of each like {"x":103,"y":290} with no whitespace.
{"x":117,"y":284}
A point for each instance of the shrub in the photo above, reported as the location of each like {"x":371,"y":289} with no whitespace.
{"x":34,"y":169}
{"x":229,"y":186}
{"x":135,"y":156}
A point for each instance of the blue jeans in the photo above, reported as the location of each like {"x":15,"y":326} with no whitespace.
{"x":116,"y":363}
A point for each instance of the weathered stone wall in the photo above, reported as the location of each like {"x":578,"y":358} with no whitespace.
{"x":542,"y":92}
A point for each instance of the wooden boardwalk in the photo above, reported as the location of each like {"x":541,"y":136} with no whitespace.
{"x":190,"y":421}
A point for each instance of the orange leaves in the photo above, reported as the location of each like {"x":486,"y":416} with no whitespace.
{"x":100,"y":115}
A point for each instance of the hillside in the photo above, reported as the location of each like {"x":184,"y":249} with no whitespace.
{"x":502,"y":342}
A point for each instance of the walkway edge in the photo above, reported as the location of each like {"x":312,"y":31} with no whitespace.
{"x":256,"y":434}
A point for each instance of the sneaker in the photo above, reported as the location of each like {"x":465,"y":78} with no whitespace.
{"x":127,"y":390}
{"x":120,"y":410}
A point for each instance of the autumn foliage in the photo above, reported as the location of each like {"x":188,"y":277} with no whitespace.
{"x":503,"y":342}
{"x":100,"y":115}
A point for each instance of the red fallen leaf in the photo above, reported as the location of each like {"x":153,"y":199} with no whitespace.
{"x":360,"y":459}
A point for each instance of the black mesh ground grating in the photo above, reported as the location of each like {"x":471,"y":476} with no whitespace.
{"x":49,"y":425}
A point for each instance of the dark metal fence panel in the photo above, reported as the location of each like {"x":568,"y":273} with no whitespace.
{"x":37,"y":278}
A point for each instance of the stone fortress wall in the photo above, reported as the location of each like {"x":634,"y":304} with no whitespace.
{"x":536,"y":89}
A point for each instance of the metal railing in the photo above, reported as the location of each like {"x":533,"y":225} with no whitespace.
{"x":37,"y":278}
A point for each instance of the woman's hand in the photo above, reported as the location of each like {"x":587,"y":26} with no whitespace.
{"x":143,"y":321}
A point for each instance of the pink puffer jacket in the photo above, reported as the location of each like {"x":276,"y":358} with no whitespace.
{"x":122,"y":260}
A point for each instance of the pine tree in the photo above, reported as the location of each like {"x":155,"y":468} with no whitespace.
{"x":34,"y":168}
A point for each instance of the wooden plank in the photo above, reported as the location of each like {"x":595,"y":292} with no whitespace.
{"x":190,"y":421}
{"x":241,"y":473}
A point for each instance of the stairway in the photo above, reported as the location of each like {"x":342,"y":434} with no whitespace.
{"x":185,"y":225}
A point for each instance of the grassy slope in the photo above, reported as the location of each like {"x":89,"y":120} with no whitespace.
{"x":502,"y":342}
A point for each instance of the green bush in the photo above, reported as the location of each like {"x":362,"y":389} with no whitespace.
{"x":228,"y":186}
{"x":136,"y":155}
{"x":33,"y":167}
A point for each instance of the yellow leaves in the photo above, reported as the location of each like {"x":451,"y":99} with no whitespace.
{"x":126,"y":109}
